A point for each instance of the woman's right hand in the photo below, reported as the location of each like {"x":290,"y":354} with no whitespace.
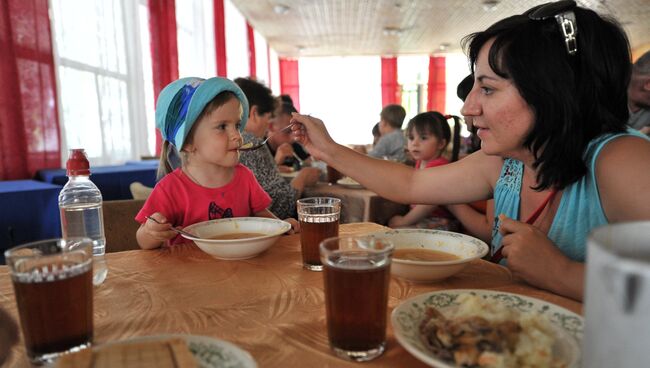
{"x":312,"y":134}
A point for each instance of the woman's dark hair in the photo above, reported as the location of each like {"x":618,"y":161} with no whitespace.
{"x":433,"y":122}
{"x":575,"y":98}
{"x":257,"y":94}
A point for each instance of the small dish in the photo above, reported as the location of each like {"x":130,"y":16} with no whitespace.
{"x":208,"y":352}
{"x":349,"y":182}
{"x":464,"y":246}
{"x":407,"y":316}
{"x":233,"y":249}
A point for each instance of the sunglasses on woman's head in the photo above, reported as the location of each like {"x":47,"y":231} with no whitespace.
{"x":562,"y":11}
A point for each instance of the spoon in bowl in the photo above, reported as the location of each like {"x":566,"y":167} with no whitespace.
{"x":251,"y":147}
{"x":183,"y":232}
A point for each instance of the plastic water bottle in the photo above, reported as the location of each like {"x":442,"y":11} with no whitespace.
{"x":80,"y":205}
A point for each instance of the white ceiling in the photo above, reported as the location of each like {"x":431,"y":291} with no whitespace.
{"x":359,"y":27}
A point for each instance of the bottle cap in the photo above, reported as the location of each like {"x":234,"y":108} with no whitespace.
{"x":78,"y":163}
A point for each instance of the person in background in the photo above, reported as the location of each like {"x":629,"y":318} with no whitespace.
{"x":289,"y":155}
{"x":284,"y":194}
{"x":477,"y":217}
{"x":200,"y":120}
{"x":375,"y":138}
{"x":638,"y":94}
{"x":392,"y":142}
{"x":550,"y":108}
{"x":428,"y":135}
{"x":473,"y":143}
{"x":8,"y":335}
{"x":376,"y":134}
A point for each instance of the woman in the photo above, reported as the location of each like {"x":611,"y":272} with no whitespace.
{"x":550,"y":108}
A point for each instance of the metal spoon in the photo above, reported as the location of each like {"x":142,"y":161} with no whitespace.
{"x":251,"y":147}
{"x":174,"y":228}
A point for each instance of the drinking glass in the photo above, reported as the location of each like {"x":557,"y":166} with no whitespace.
{"x":319,"y":219}
{"x":356,"y":275}
{"x":52,"y":281}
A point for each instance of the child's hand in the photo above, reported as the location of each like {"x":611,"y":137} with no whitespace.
{"x":397,"y":221}
{"x":159,"y":231}
{"x":295,"y":225}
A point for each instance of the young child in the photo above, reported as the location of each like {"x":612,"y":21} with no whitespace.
{"x":200,"y":121}
{"x":391,"y":143}
{"x":428,"y":135}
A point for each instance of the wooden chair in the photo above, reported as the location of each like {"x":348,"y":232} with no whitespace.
{"x":139,"y":190}
{"x":120,"y":225}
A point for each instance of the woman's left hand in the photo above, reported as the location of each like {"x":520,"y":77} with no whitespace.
{"x":531,"y":255}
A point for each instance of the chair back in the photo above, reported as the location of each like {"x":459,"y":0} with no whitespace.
{"x":139,"y":190}
{"x":120,"y":225}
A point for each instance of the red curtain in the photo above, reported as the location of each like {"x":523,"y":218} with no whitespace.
{"x":29,"y":127}
{"x":220,"y":37}
{"x":251,"y":51}
{"x":289,"y":81}
{"x":436,"y":85}
{"x":391,"y":92}
{"x":164,"y":53}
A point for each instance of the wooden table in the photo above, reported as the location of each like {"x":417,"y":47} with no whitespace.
{"x":358,"y":204}
{"x":267,"y":305}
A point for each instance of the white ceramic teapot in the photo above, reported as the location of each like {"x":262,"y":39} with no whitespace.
{"x":617,"y":299}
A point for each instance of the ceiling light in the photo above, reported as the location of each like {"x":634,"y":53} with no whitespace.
{"x":490,"y":5}
{"x":444,"y":46}
{"x":281,"y":9}
{"x":392,"y":31}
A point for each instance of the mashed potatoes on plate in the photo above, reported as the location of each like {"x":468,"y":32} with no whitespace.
{"x":483,"y":333}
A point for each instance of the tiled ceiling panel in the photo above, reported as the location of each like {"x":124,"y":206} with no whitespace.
{"x":384,"y":27}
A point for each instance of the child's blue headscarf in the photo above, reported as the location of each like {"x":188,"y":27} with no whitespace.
{"x":181,"y":102}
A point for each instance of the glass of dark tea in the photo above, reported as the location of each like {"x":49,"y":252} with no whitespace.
{"x":319,"y":219}
{"x":52,"y":281}
{"x":356,"y":275}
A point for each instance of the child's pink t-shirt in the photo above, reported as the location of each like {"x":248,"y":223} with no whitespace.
{"x":184,"y":202}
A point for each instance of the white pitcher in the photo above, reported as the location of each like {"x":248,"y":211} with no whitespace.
{"x":617,"y":299}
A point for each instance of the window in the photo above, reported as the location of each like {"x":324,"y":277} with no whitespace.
{"x":347,"y":97}
{"x":413,"y":76}
{"x":261,"y":59}
{"x":102,"y":96}
{"x":236,"y":42}
{"x":195,"y":35}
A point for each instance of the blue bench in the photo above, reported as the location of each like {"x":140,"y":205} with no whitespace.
{"x":29,"y":210}
{"x":112,"y":181}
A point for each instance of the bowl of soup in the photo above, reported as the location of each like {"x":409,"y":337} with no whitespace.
{"x":423,"y":255}
{"x":238,"y":237}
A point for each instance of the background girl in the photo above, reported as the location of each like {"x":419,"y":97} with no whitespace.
{"x":428,"y":135}
{"x":200,"y":121}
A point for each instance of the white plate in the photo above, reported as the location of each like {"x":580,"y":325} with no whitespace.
{"x":407,"y":316}
{"x":208,"y":352}
{"x":349,"y":182}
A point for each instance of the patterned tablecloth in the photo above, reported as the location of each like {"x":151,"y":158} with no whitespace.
{"x":267,"y":305}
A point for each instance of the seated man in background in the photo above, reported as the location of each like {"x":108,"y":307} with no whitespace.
{"x":288,"y":155}
{"x":392,"y":143}
{"x":638,"y":95}
{"x":260,"y":161}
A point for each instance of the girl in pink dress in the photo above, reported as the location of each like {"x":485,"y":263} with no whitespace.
{"x":428,"y":136}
